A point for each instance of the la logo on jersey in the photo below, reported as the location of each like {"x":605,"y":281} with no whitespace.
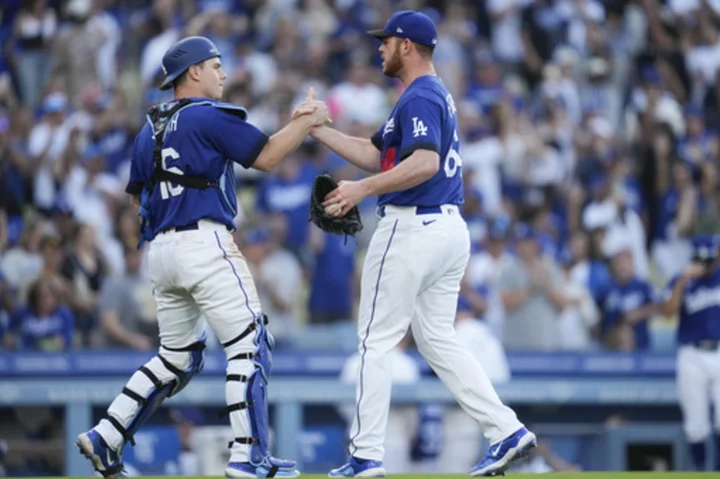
{"x":419,"y":128}
{"x":389,"y":126}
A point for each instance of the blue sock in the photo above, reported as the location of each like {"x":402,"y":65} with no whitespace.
{"x":697,"y":451}
{"x":717,"y":452}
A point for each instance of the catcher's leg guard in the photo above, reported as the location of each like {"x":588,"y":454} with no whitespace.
{"x":163,"y":376}
{"x":247,"y":378}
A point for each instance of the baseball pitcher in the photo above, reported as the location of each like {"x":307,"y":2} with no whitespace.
{"x":182,"y":177}
{"x":694,"y":295}
{"x":417,"y":255}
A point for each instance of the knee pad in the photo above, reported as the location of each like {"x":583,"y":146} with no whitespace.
{"x":163,"y":376}
{"x":255,"y":403}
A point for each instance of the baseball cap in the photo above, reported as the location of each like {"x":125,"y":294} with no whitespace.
{"x":54,"y":102}
{"x":415,"y":26}
{"x":184,"y":54}
{"x":704,"y":248}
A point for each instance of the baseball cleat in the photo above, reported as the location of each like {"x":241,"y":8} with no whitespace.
{"x":359,"y":468}
{"x":237,"y":470}
{"x":103,"y":458}
{"x":502,"y":454}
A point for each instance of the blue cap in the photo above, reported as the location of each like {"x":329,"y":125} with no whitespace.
{"x":255,"y":236}
{"x":499,"y":227}
{"x":184,"y":54}
{"x":524,"y":231}
{"x":54,"y":103}
{"x":704,"y":248}
{"x":415,"y":26}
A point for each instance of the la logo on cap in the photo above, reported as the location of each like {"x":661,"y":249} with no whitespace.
{"x":399,"y":30}
{"x":163,"y":69}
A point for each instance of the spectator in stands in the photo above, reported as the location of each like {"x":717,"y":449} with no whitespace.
{"x":44,"y":324}
{"x":75,"y":53}
{"x":85,"y":269}
{"x":15,"y":167}
{"x":127,"y":308}
{"x":580,"y":315}
{"x":627,"y":305}
{"x":287,"y":191}
{"x":677,"y":198}
{"x":53,"y":257}
{"x":278,"y":277}
{"x":532,"y":294}
{"x":332,"y":280}
{"x":33,"y":34}
{"x":93,"y":194}
{"x":485,"y":267}
{"x":22,"y":262}
{"x":50,"y":145}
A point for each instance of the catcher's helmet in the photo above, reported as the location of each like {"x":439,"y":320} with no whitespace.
{"x":184,"y":54}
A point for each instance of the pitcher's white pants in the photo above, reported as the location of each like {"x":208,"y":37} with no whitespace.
{"x":698,"y":383}
{"x":412,"y":276}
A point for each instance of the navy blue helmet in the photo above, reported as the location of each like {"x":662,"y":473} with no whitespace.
{"x":184,"y":54}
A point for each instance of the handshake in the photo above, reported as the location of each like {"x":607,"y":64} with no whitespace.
{"x":316,"y":110}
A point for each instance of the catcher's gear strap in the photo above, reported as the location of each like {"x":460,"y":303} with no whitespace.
{"x":147,"y":390}
{"x":159,"y":117}
{"x":247,"y":331}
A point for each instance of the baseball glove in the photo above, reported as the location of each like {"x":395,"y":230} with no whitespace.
{"x":350,"y":224}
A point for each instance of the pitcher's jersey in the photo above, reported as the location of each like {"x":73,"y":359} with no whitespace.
{"x":203,"y":138}
{"x":699,"y":317}
{"x":425,"y":118}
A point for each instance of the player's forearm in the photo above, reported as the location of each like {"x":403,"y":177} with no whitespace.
{"x":415,"y":169}
{"x":282,"y":143}
{"x":358,"y":151}
{"x":672,"y":305}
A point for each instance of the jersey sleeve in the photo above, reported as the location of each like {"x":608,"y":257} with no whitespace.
{"x":235,"y":138}
{"x":376,"y":139}
{"x":136,"y":181}
{"x":421,"y":123}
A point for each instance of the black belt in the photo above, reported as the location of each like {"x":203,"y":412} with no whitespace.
{"x":419,"y":210}
{"x":707,"y":344}
{"x":187,"y":227}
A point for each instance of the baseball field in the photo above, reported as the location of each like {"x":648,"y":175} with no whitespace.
{"x":563,"y":475}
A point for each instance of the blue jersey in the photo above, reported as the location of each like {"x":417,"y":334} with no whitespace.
{"x":50,"y":333}
{"x":699,"y":317}
{"x":424,"y":118}
{"x":620,"y":299}
{"x":203,"y":138}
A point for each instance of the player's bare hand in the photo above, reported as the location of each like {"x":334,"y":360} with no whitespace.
{"x":317,"y":109}
{"x":694,"y":270}
{"x":343,"y":198}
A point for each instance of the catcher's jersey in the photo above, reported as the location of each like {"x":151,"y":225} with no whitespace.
{"x":203,"y":138}
{"x":424,"y":118}
{"x":699,"y":310}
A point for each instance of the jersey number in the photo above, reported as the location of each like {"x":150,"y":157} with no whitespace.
{"x":453,"y":162}
{"x":167,"y":189}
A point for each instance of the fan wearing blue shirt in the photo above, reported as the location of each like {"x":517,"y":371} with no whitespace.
{"x":44,"y":324}
{"x":694,"y":295}
{"x":626,"y":306}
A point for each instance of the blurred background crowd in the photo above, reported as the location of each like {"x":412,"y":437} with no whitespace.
{"x":588,"y":144}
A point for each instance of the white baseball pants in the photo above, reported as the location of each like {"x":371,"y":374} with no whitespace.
{"x":411,"y":277}
{"x":197,"y":273}
{"x":698,"y":383}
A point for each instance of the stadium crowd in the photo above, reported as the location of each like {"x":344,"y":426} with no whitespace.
{"x":588,"y":146}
